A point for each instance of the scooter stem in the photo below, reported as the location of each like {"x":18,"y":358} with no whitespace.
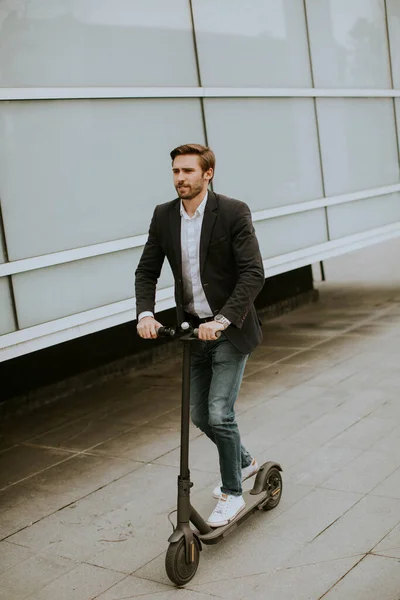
{"x":185,"y":412}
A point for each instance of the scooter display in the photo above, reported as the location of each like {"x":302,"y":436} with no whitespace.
{"x":183,"y":555}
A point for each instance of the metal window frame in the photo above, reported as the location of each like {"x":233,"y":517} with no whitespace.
{"x":89,"y":93}
{"x":60,"y":330}
{"x":103,"y":248}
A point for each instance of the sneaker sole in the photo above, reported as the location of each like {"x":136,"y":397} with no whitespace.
{"x":223,"y":523}
{"x":217,"y":496}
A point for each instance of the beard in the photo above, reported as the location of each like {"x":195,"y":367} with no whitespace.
{"x":190,"y":191}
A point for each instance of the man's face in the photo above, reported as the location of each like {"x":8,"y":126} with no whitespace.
{"x":189,"y":179}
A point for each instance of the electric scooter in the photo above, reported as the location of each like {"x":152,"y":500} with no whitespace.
{"x":183,"y":555}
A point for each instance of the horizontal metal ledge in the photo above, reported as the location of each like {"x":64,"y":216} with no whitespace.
{"x":77,"y":325}
{"x":82,"y":93}
{"x":65,"y":256}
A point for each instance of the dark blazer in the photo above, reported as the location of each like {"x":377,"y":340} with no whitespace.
{"x":231,"y":267}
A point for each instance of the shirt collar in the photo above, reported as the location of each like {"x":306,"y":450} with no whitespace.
{"x":200,"y":209}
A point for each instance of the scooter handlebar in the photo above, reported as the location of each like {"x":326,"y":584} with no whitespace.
{"x":165,"y":332}
{"x":195,"y":332}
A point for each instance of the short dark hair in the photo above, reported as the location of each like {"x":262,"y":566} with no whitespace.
{"x":205,"y":154}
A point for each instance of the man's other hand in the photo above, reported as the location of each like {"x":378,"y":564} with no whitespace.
{"x":208,"y":330}
{"x":147,"y":328}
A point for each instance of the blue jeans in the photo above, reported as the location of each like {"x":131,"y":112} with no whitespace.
{"x":216,"y":375}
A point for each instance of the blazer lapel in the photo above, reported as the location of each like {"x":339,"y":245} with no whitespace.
{"x":175,"y":229}
{"x":209,"y":218}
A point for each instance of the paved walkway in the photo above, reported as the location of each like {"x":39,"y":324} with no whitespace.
{"x":87,"y":483}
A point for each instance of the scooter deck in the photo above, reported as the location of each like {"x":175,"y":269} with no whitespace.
{"x":252,"y":504}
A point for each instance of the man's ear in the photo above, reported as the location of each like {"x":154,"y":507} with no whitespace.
{"x":209,"y":173}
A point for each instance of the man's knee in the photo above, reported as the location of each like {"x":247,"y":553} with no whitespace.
{"x":218,"y":419}
{"x":199,"y":419}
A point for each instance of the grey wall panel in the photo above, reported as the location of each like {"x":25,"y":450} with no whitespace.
{"x":358,"y":143}
{"x":74,"y":173}
{"x":362,"y":215}
{"x":393,"y":15}
{"x":348,"y":43}
{"x":96,"y":43}
{"x":291,"y":232}
{"x":257,"y":43}
{"x":7,"y":323}
{"x":266,"y":149}
{"x":60,"y":291}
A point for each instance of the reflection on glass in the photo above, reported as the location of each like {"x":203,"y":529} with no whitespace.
{"x":348,"y":43}
{"x":358,"y":143}
{"x":291,"y":232}
{"x":267,"y":150}
{"x":393,"y":13}
{"x":93,"y":169}
{"x":96,"y":43}
{"x":362,"y":215}
{"x":259,"y":43}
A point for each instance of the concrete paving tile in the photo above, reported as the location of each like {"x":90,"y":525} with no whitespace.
{"x":334,"y":375}
{"x":390,"y":443}
{"x":126,"y":549}
{"x":23,"y":461}
{"x":245,"y":553}
{"x":144,"y":444}
{"x":314,"y":358}
{"x":364,"y":433}
{"x":390,"y":545}
{"x":139,"y":414}
{"x":133,"y":587}
{"x":328,"y":426}
{"x":312,"y":514}
{"x":267,"y":356}
{"x":374,"y":577}
{"x":356,"y":532}
{"x":320,"y":465}
{"x":130,"y":512}
{"x":82,"y":475}
{"x":287,"y":452}
{"x":389,"y":487}
{"x":183,"y":593}
{"x":84,"y":582}
{"x":82,"y":434}
{"x":11,"y":555}
{"x":363,"y":473}
{"x":24,"y":514}
{"x":17,"y":494}
{"x":203,"y":456}
{"x":31,"y":575}
{"x":303,"y":583}
{"x":366,"y":378}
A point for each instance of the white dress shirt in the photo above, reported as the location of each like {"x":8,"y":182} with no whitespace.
{"x":194,"y":298}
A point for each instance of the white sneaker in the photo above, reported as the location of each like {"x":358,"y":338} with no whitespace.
{"x":247,"y":472}
{"x":227,"y":508}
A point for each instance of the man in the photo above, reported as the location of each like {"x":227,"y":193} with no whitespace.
{"x":210,"y":243}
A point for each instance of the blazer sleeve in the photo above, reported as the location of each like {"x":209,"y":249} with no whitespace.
{"x":149,"y":269}
{"x":249,"y":265}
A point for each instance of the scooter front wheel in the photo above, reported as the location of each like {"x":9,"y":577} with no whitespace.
{"x":176,"y":566}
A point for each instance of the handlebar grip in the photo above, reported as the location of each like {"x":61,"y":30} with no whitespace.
{"x":165,"y":332}
{"x":196,"y":333}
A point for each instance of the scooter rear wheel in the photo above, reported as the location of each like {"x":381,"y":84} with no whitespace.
{"x":273,"y":486}
{"x":176,"y":566}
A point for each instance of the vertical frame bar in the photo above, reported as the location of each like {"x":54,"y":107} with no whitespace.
{"x":396,"y":122}
{"x":8,"y":279}
{"x":316,"y":118}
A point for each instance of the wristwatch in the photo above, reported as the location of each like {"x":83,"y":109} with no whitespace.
{"x":223,"y":320}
